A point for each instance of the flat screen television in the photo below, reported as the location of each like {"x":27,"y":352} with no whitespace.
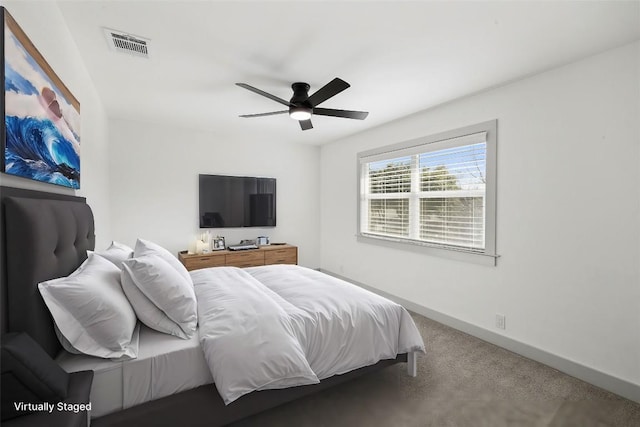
{"x":236,"y":201}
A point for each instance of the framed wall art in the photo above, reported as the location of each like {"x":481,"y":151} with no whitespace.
{"x":40,"y":134}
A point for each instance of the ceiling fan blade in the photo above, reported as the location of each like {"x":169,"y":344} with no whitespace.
{"x":348,"y":114}
{"x":305,"y":124}
{"x":273,"y":113}
{"x":332,"y":88}
{"x":263,"y":93}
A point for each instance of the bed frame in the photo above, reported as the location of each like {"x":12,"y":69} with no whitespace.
{"x":45,"y":236}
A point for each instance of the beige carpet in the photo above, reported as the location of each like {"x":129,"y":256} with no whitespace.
{"x":462,"y":381}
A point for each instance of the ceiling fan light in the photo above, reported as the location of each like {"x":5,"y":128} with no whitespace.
{"x":300,"y":113}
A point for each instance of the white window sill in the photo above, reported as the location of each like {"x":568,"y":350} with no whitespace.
{"x":449,"y":253}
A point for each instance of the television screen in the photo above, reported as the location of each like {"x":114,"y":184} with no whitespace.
{"x":237,"y":201}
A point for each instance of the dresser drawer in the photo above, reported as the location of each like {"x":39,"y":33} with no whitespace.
{"x":194,"y":263}
{"x":245,"y":259}
{"x":281,"y":256}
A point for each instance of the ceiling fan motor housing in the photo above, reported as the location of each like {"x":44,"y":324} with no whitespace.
{"x":300,"y":93}
{"x":299,"y":100}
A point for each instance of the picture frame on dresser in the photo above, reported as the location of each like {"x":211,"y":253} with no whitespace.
{"x":218,"y":244}
{"x":40,"y":133}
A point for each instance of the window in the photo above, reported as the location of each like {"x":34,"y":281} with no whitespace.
{"x":436,"y":192}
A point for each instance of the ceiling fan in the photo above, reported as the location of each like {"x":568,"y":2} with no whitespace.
{"x":302,"y":105}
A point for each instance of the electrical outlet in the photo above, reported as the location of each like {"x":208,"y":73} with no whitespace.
{"x":501,"y":321}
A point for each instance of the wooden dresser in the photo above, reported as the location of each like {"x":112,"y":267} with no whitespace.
{"x":264,"y":255}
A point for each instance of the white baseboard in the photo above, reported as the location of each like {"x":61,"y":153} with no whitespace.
{"x":600,"y":379}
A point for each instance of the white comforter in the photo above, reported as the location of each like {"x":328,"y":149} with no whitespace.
{"x":284,"y":325}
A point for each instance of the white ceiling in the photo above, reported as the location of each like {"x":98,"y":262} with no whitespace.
{"x":399,"y":57}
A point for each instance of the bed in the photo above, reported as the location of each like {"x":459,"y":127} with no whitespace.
{"x":55,"y":231}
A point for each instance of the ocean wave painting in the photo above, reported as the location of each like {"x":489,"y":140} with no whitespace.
{"x":42,"y":117}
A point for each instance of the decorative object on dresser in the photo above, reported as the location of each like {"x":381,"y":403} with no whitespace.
{"x":242,"y":246}
{"x":218,"y":244}
{"x":40,"y":133}
{"x":265,"y":255}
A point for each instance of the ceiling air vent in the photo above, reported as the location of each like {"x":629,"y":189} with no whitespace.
{"x":127,"y":43}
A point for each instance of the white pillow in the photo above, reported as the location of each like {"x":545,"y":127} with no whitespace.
{"x":91,"y":311}
{"x":165,"y":288}
{"x":145,"y":247}
{"x":116,"y":253}
{"x":146,"y":310}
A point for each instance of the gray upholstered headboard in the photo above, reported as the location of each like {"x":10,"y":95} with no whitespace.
{"x":44,"y":239}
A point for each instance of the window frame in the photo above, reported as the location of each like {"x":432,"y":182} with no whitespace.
{"x":440,"y":141}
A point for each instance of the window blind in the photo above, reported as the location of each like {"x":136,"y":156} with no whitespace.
{"x":432,"y":193}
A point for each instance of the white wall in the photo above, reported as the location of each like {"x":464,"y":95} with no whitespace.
{"x":154,"y":184}
{"x":44,"y":25}
{"x":568,"y":217}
